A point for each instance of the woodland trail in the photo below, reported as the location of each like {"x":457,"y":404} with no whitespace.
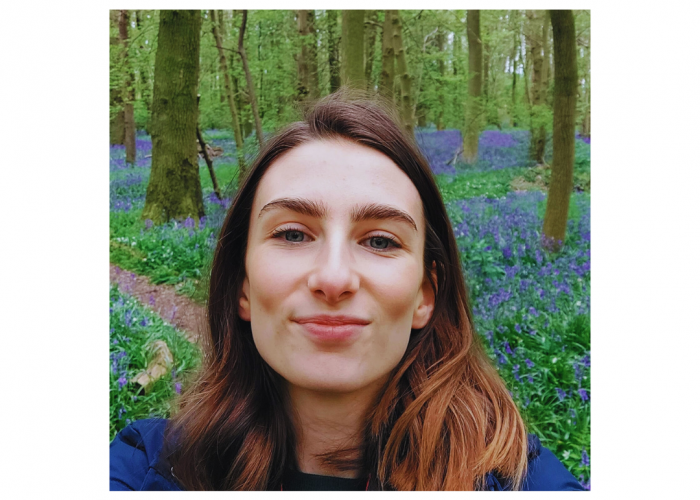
{"x":175,"y":309}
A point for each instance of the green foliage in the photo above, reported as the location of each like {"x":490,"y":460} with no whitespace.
{"x":133,"y":330}
{"x":492,"y":184}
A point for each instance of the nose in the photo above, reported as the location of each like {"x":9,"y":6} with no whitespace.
{"x":334,"y":277}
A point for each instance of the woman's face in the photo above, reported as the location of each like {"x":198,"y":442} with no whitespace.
{"x":336,"y":229}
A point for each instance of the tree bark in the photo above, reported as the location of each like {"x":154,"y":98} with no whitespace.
{"x":474,"y":107}
{"x":371,"y":34}
{"x":127,"y":90}
{"x":249,"y":79}
{"x":537,"y":111}
{"x":174,"y":188}
{"x":207,"y":159}
{"x":235,"y":122}
{"x":586,"y":122}
{"x":565,"y":86}
{"x":116,"y":104}
{"x":307,"y":66}
{"x":352,"y":64}
{"x":333,"y":49}
{"x":440,"y":40}
{"x":386,"y":79}
{"x":402,"y":74}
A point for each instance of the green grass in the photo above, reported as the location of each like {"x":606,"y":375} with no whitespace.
{"x":492,"y":184}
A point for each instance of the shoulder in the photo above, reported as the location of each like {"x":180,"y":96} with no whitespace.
{"x":134,"y":457}
{"x":545,"y":472}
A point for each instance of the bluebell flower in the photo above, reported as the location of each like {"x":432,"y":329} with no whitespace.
{"x":585,"y":461}
{"x":515,"y":372}
{"x":583,"y":394}
{"x":518,"y":328}
{"x":529,"y":363}
{"x":122,"y":382}
{"x":561,"y":394}
{"x":506,"y":346}
{"x":178,"y":387}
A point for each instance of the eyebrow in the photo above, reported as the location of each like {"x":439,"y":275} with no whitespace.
{"x":359,"y":213}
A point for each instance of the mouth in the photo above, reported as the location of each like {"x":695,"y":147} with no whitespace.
{"x":332,"y":329}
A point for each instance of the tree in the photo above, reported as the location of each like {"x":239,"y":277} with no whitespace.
{"x":333,"y":49}
{"x":235,"y":122}
{"x":473,"y":108}
{"x":371,"y":37}
{"x":406,"y":106}
{"x":386,"y":79}
{"x":307,"y":65}
{"x":174,"y":188}
{"x":440,"y":41}
{"x":127,"y":90}
{"x":116,"y":104}
{"x":352,"y":64}
{"x":249,"y":79}
{"x":538,"y":111}
{"x":565,"y":87}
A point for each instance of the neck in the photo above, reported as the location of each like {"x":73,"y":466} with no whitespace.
{"x":327,"y":422}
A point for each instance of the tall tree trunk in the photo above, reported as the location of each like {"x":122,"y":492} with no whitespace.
{"x":352,"y":64}
{"x":457,"y":65}
{"x":127,"y":89}
{"x":474,"y":107}
{"x":565,"y":86}
{"x":537,"y":111}
{"x":371,"y":34}
{"x":307,"y":66}
{"x":174,"y":188}
{"x":514,"y":59}
{"x":402,"y":74}
{"x":116,"y":102}
{"x":235,"y":121}
{"x":440,"y":40}
{"x":386,"y":79}
{"x":333,"y":49}
{"x":249,"y":79}
{"x":205,"y":154}
{"x":586,"y":122}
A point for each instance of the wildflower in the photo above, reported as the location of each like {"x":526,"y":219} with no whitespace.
{"x":189,"y":222}
{"x":152,"y":300}
{"x":583,"y":394}
{"x":178,"y":387}
{"x":586,"y":485}
{"x":530,"y":379}
{"x":585,"y":461}
{"x":561,"y":394}
{"x":148,"y":223}
{"x":143,"y":322}
{"x":516,"y":368}
{"x":529,"y":363}
{"x":506,"y":346}
{"x":518,"y":328}
{"x":122,"y":382}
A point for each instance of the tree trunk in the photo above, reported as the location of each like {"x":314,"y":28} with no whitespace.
{"x":457,"y":65}
{"x":514,"y":59}
{"x":537,"y":111}
{"x":352,"y":64}
{"x":586,"y":122}
{"x":307,"y":66}
{"x":116,"y":104}
{"x":386,"y":79}
{"x":474,"y":108}
{"x":565,"y":83}
{"x":174,"y":188}
{"x":127,"y":90}
{"x":249,"y":79}
{"x":371,"y":34}
{"x":207,"y":159}
{"x":440,"y":40}
{"x":402,"y":74}
{"x":235,"y":122}
{"x":333,"y":49}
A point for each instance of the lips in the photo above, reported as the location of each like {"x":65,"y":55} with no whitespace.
{"x":332,"y":328}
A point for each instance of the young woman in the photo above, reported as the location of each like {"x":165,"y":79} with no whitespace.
{"x":342,"y":353}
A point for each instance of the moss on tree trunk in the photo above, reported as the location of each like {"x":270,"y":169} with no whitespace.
{"x":174,"y":189}
{"x":565,"y":87}
{"x":473,"y":108}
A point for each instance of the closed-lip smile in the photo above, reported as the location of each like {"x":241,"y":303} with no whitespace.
{"x":332,"y":320}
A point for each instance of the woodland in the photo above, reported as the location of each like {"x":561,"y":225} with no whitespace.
{"x":498,"y":101}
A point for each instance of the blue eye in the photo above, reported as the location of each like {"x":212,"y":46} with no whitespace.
{"x":379,"y":244}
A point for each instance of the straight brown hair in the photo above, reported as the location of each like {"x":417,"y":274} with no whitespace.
{"x":445,"y":418}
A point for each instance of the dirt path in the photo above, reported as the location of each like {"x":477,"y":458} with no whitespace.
{"x":175,"y":309}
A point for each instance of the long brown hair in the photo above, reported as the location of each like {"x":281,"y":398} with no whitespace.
{"x":444,"y":419}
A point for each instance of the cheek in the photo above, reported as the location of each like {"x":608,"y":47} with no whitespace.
{"x":395,"y":289}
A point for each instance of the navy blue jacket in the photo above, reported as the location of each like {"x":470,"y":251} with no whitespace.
{"x":136,"y":463}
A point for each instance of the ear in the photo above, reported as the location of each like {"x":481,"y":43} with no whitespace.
{"x":425,"y":303}
{"x":244,"y":301}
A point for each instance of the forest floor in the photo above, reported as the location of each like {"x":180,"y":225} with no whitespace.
{"x":178,"y":310}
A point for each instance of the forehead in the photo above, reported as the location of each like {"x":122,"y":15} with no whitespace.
{"x":342,"y":174}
